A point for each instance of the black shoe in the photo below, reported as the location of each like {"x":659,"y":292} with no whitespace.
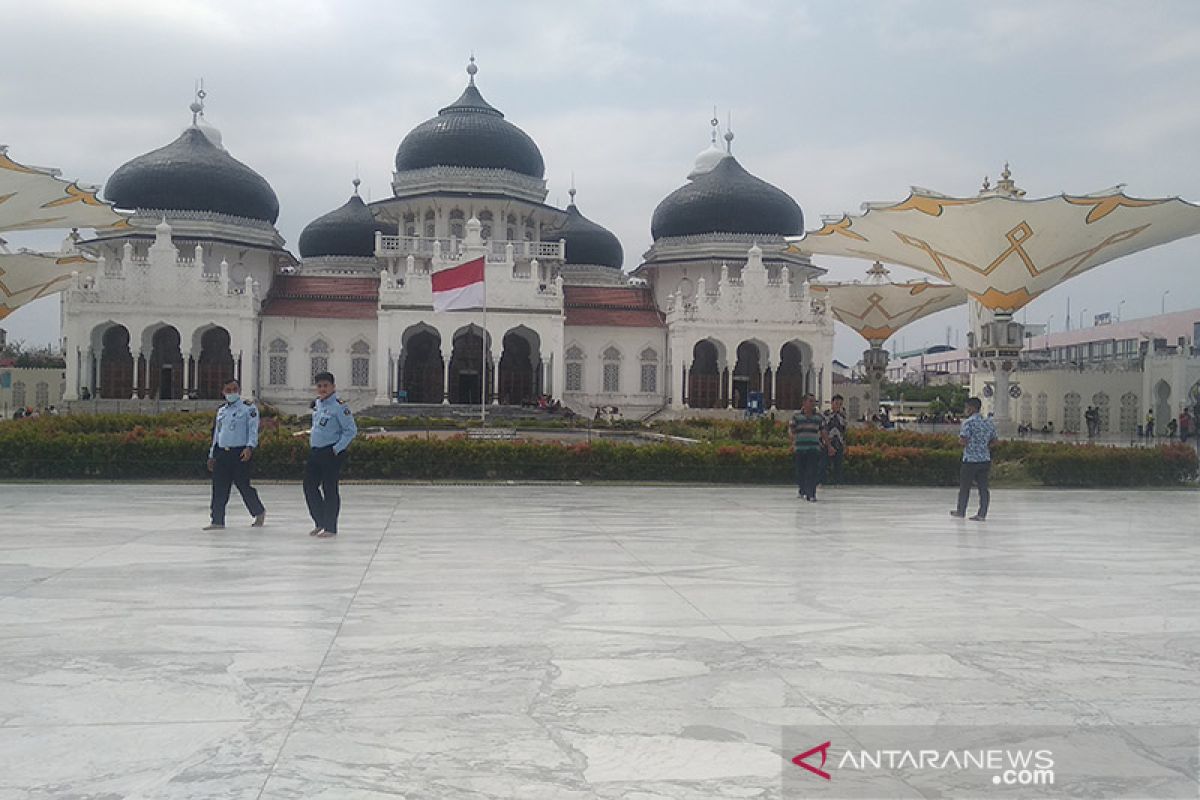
{"x":979,"y":518}
{"x":958,"y":514}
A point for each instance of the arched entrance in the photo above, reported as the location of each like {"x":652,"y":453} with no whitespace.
{"x":520,"y":363}
{"x":791,"y":381}
{"x":704,"y":376}
{"x":215,"y":365}
{"x":116,"y":364}
{"x":422,"y":367}
{"x":164,"y":371}
{"x":747,"y":373}
{"x":467,"y":379}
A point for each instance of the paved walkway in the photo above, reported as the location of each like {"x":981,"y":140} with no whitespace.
{"x":566,"y":642}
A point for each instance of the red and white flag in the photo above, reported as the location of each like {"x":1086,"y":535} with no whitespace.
{"x":459,"y":287}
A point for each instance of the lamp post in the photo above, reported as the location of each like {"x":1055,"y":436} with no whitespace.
{"x":1046,"y":343}
{"x":1163,"y":305}
{"x":1119,"y":310}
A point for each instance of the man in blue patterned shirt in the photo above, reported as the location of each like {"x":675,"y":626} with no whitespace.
{"x":976,"y":437}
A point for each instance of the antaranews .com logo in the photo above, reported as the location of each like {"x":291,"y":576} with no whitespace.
{"x":1100,"y":762}
{"x":1008,"y":767}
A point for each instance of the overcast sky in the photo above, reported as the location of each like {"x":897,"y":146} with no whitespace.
{"x":836,"y":103}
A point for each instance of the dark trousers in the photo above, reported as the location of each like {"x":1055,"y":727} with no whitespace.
{"x":974,"y":473}
{"x":321,"y":475}
{"x":831,"y":465}
{"x":808,"y":468}
{"x":229,"y":470}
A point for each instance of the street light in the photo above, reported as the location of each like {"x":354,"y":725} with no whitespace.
{"x":1163,"y":309}
{"x":1119,"y":310}
{"x":1046,"y":343}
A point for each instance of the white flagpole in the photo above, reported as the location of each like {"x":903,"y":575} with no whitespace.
{"x":483,"y":350}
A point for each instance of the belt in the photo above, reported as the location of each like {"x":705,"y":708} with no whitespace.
{"x":235,"y":447}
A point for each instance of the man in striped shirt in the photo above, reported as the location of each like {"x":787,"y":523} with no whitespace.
{"x":806,"y":431}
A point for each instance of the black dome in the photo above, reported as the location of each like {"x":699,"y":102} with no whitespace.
{"x":470,"y":133}
{"x":192,"y":174}
{"x":587,"y":242}
{"x":346,"y":231}
{"x":727,"y":199}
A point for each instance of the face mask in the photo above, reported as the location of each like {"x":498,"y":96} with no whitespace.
{"x":232,"y":398}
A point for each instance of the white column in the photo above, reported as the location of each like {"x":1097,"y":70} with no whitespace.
{"x":73,"y":373}
{"x":445,"y":378}
{"x":187,"y":375}
{"x":137,"y":360}
{"x":494,"y":383}
{"x":383,"y":394}
{"x":1000,"y":398}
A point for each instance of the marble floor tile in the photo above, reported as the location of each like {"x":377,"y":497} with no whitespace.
{"x":569,"y":642}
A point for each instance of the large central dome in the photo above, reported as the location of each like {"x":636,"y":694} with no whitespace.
{"x":470,"y":132}
{"x":727,"y":199}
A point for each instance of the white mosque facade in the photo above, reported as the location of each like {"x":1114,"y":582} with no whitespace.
{"x":201,"y":286}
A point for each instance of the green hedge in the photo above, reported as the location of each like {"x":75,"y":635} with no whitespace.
{"x":1089,"y":465}
{"x":174,"y":447}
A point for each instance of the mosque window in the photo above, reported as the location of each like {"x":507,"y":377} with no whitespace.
{"x":574,"y":371}
{"x":41,"y":396}
{"x":410,"y":224}
{"x":649,"y":371}
{"x":430,"y":226}
{"x":456,"y":224}
{"x":18,"y":393}
{"x":1129,"y":412}
{"x":277,"y":363}
{"x":485,"y":221}
{"x":360,"y":364}
{"x":318,"y":357}
{"x":612,"y":370}
{"x":512,"y":227}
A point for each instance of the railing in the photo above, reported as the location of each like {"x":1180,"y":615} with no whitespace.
{"x":497,"y":249}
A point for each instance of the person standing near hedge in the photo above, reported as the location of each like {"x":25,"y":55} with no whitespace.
{"x":835,"y":434}
{"x":976,"y":437}
{"x":333,"y":428}
{"x":806,"y":432}
{"x":235,"y":435}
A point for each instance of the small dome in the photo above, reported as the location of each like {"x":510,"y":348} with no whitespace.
{"x":470,"y":132}
{"x":192,"y":174}
{"x":345,"y":231}
{"x":706,"y":161}
{"x":727,"y":199}
{"x":586,"y":242}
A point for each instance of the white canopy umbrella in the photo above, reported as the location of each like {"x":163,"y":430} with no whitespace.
{"x":35,"y":197}
{"x":1003,"y":249}
{"x":26,"y":276}
{"x":877,"y":308}
{"x":32,"y":198}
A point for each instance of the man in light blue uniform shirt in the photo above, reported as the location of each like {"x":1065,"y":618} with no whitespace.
{"x":976,"y":437}
{"x":235,"y":435}
{"x":333,"y":429}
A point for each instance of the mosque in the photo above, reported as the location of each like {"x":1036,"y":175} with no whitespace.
{"x":200,"y":285}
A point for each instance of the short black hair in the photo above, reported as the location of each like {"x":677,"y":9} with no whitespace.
{"x":324,"y":376}
{"x":836,"y":397}
{"x":975,"y":402}
{"x":234,"y":381}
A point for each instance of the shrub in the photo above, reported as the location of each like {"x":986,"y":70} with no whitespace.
{"x":1092,"y":465}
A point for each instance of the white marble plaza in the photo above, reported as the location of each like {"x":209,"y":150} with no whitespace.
{"x":564,"y":642}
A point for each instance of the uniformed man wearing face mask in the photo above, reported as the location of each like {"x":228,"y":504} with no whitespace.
{"x":333,"y":428}
{"x":235,"y":436}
